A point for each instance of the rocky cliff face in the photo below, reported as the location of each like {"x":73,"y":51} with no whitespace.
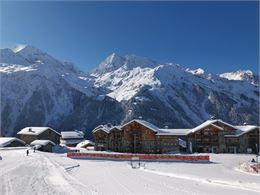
{"x":37,"y":90}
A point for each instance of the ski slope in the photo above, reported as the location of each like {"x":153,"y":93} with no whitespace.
{"x":34,"y":174}
{"x":50,"y":173}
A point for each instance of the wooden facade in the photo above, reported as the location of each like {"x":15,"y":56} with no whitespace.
{"x":71,"y":138}
{"x":214,"y":136}
{"x":208,"y":139}
{"x":244,"y":143}
{"x":252,"y":139}
{"x":46,"y":148}
{"x":134,"y":137}
{"x":101,"y":140}
{"x":48,"y":134}
{"x":220,"y":137}
{"x":138,"y":139}
{"x":43,"y":145}
{"x":167,"y":143}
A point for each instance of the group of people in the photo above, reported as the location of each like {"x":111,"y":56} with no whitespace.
{"x":27,"y":151}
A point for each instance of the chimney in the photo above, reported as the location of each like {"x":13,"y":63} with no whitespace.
{"x":140,"y":117}
{"x":30,"y":129}
{"x":166,"y":127}
{"x":109,"y":125}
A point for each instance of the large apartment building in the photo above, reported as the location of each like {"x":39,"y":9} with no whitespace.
{"x":140,"y":136}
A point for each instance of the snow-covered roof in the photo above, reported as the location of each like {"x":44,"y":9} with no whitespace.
{"x":72,"y":134}
{"x":241,"y":130}
{"x":85,"y":142}
{"x":208,"y":123}
{"x":4,"y":141}
{"x":70,"y":141}
{"x":105,"y":128}
{"x":41,"y":142}
{"x":144,"y":123}
{"x":35,"y":130}
{"x":179,"y":132}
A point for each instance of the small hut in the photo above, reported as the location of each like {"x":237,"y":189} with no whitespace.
{"x":11,"y":142}
{"x":71,"y":138}
{"x":43,"y":145}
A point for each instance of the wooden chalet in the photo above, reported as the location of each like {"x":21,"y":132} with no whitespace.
{"x":43,"y":145}
{"x":136,"y":136}
{"x":29,"y":134}
{"x":140,"y":136}
{"x":71,"y":138}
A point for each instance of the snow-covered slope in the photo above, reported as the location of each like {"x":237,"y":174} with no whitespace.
{"x":174,"y":94}
{"x":242,"y":75}
{"x":37,"y":89}
{"x":52,"y":173}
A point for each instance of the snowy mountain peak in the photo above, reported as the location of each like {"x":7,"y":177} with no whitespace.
{"x":112,"y":62}
{"x":30,"y":51}
{"x":241,"y":75}
{"x":19,"y":47}
{"x":38,"y":89}
{"x":115,"y":61}
{"x":198,"y":71}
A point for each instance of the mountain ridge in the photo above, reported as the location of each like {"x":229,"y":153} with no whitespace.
{"x":50,"y":92}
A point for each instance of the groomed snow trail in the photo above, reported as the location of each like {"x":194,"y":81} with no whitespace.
{"x":34,"y":174}
{"x":50,"y":173}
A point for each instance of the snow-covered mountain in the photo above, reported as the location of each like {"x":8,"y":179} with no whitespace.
{"x":37,"y":89}
{"x":173,"y":95}
{"x":242,"y":75}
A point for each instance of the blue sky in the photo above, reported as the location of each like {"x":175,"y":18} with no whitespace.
{"x":217,"y":36}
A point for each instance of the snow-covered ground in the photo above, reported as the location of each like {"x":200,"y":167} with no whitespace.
{"x":49,"y":173}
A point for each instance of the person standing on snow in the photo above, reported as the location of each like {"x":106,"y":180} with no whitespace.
{"x":27,"y":152}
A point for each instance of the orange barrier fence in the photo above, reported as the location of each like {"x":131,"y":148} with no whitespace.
{"x":199,"y":158}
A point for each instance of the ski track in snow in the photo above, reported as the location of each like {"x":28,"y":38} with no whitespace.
{"x":203,"y":180}
{"x":34,"y":174}
{"x":49,"y":173}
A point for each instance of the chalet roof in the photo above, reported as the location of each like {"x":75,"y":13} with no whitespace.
{"x":4,"y":141}
{"x":35,"y":130}
{"x":85,"y":142}
{"x":225,"y":123}
{"x":208,"y":123}
{"x":70,"y":141}
{"x":241,"y":130}
{"x":178,"y":132}
{"x":105,"y":128}
{"x":42,"y":142}
{"x":72,"y":134}
{"x":144,"y":123}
